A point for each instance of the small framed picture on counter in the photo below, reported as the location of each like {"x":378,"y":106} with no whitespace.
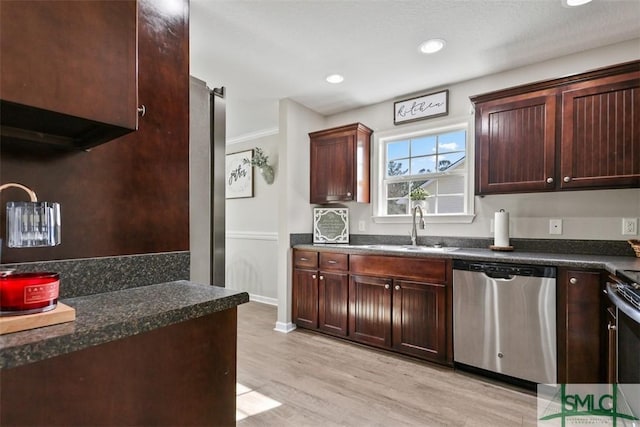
{"x":239,"y":175}
{"x":330,"y":225}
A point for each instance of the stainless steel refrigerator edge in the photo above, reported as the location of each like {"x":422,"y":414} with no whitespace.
{"x":206,"y":183}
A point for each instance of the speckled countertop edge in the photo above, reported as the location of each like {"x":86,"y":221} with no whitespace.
{"x":612,"y":264}
{"x":109,"y":316}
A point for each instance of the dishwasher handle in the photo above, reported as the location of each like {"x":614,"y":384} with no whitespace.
{"x":499,"y":275}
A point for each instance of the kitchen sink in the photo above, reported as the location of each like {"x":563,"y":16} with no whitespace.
{"x":406,"y":248}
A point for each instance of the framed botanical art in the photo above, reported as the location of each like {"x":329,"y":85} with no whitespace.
{"x":239,"y":175}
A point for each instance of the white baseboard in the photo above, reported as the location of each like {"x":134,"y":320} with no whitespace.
{"x":263,"y":300}
{"x":284,"y":327}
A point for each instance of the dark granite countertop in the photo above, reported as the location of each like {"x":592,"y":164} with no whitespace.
{"x":109,"y":316}
{"x":612,"y":264}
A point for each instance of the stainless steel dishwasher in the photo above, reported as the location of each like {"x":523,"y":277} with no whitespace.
{"x":504,"y":319}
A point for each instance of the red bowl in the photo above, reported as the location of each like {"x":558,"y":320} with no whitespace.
{"x":28,"y":293}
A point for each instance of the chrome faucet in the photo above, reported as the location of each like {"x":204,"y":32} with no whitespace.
{"x":414,"y":231}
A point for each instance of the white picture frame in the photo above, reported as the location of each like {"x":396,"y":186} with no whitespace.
{"x":239,"y":175}
{"x":330,"y":225}
{"x":434,"y":104}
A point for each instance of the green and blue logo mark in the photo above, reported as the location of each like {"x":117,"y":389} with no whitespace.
{"x":588,"y":404}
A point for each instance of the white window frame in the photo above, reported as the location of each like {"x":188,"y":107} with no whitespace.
{"x":380,"y":139}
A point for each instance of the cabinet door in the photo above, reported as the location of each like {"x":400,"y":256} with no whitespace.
{"x":333,"y":289}
{"x":305,"y":298}
{"x":73,"y":74}
{"x":332,"y":168}
{"x":370,"y":310}
{"x":419,"y":319}
{"x":600,"y":133}
{"x":581,"y":322}
{"x":515,"y":144}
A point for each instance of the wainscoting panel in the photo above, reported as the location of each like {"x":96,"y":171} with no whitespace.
{"x":252,"y":264}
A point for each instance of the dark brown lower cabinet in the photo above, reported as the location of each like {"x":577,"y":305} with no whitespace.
{"x":179,"y":375}
{"x":333,"y":301}
{"x":370,"y":310}
{"x":305,"y":300}
{"x":419,"y":319}
{"x":582,"y":332}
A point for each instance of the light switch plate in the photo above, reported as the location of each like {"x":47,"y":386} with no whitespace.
{"x":629,"y":226}
{"x":555,"y":226}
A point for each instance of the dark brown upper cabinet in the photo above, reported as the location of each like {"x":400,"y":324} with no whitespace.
{"x":340,"y":160}
{"x":577,"y":132}
{"x":68,"y":74}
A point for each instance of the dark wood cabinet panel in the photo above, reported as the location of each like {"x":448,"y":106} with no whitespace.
{"x":305,"y":298}
{"x":577,"y":132}
{"x":516,"y":144}
{"x":419,"y":319}
{"x":72,"y":77}
{"x":434,"y":270}
{"x":180,"y":375}
{"x":333,"y":303}
{"x":339,"y":164}
{"x":600,"y":133}
{"x":370,"y":310}
{"x":128,"y":196}
{"x":582,"y":341}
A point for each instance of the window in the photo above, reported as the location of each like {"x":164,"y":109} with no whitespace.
{"x":432,"y":160}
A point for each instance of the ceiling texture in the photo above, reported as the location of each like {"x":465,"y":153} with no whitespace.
{"x":266,"y":50}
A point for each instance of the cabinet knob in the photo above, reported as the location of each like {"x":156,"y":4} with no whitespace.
{"x":313,"y":276}
{"x":142,"y":110}
{"x":611,"y":326}
{"x":573,"y":280}
{"x":397,"y":287}
{"x":549,"y":180}
{"x":387,"y":286}
{"x":321,"y":277}
{"x":349,"y":194}
{"x":567,"y":179}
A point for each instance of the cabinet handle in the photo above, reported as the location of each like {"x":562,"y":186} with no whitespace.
{"x":573,"y":280}
{"x":332,"y":262}
{"x":611,"y":326}
{"x":321,"y":277}
{"x":549,"y":180}
{"x":142,"y":110}
{"x":387,"y":286}
{"x":304,"y":259}
{"x":567,"y":179}
{"x":397,"y":287}
{"x":313,"y":276}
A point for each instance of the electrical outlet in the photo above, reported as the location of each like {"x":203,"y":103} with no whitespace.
{"x":630,"y":226}
{"x":555,"y":226}
{"x":362,"y":226}
{"x":492,"y":226}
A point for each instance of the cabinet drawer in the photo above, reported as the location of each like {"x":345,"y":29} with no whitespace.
{"x":431,"y":270}
{"x":305,"y":259}
{"x":329,"y":261}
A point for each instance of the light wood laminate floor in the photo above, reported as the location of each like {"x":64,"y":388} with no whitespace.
{"x":308,"y":379}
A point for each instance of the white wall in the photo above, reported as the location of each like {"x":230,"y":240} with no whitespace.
{"x":252,"y":229}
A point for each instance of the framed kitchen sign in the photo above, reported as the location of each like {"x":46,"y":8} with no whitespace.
{"x":239,"y":175}
{"x":330,"y":225}
{"x":423,"y":107}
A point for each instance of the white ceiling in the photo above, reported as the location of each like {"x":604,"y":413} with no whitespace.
{"x":266,"y":50}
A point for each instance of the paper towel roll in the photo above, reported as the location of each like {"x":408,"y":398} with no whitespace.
{"x":501,"y":227}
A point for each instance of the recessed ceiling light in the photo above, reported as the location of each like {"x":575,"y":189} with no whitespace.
{"x":432,"y":46}
{"x":335,"y":78}
{"x":573,"y":3}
